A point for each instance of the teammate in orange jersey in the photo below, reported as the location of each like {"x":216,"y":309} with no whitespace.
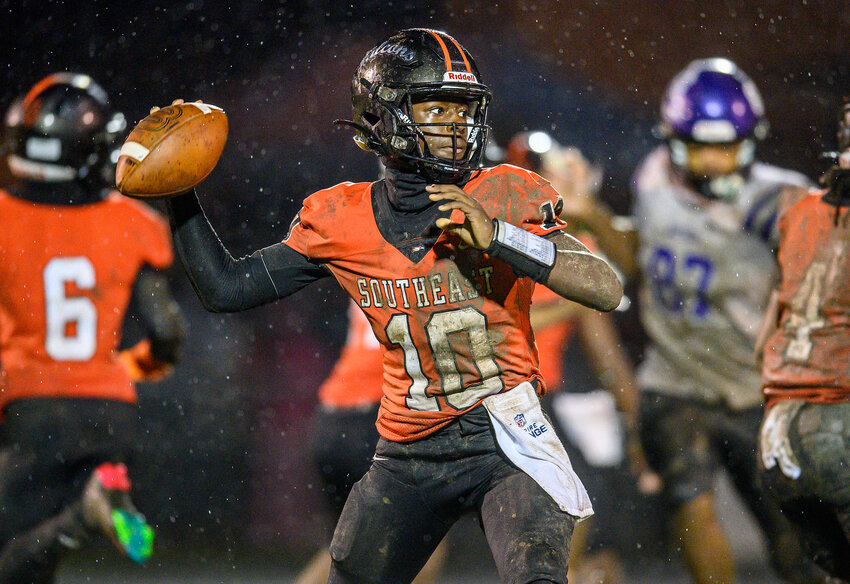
{"x":805,"y":436}
{"x":71,"y":255}
{"x":344,"y":434}
{"x":446,"y":289}
{"x":554,"y":319}
{"x":555,"y":322}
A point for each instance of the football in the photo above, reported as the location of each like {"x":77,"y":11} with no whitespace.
{"x":171,"y":150}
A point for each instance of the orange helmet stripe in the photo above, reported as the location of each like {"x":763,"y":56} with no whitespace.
{"x":462,"y":54}
{"x":446,"y":55}
{"x":39,"y":87}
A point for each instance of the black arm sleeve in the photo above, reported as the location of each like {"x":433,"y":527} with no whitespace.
{"x":225,"y":284}
{"x":160,"y":315}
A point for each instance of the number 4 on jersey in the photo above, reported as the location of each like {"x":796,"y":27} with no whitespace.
{"x":805,"y":313}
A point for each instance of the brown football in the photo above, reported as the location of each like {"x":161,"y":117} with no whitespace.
{"x":171,"y":150}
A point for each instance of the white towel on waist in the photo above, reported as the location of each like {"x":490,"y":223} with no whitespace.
{"x":529,"y":442}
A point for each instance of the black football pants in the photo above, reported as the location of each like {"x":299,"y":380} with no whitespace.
{"x":818,"y":501}
{"x":414,"y":492}
{"x":343,"y":443}
{"x":685,"y":440}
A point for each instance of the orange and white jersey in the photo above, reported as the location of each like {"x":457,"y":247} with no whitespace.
{"x":66,"y":276}
{"x":357,"y":377}
{"x":454,"y":325}
{"x":808,"y":356}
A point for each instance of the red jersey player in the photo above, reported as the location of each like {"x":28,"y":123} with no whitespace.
{"x":556,"y":320}
{"x":442,"y":257}
{"x":71,"y":256}
{"x":806,"y":368}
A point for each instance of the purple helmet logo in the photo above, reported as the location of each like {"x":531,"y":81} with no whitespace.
{"x":713,"y":101}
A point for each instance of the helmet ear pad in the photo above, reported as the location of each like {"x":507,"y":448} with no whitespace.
{"x":386,"y":133}
{"x":399,"y":133}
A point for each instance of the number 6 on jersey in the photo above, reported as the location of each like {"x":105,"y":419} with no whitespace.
{"x":71,"y":321}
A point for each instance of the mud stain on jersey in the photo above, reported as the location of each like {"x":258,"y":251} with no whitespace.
{"x":509,"y":197}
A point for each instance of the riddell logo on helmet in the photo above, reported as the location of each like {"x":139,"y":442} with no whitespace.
{"x":459,"y":76}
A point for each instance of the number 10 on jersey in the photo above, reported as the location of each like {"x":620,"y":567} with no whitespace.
{"x":443,"y":331}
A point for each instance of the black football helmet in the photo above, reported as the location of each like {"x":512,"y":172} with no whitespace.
{"x":64,"y":129}
{"x":412,"y":66}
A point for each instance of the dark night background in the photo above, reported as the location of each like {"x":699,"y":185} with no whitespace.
{"x":224,"y":461}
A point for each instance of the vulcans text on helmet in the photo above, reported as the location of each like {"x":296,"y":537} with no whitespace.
{"x":400,"y":51}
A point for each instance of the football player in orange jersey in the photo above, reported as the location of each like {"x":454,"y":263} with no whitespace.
{"x":71,"y":255}
{"x":442,"y":257}
{"x":555,"y":321}
{"x":805,"y":437}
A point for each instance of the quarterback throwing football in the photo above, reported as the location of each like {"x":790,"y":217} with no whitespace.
{"x":442,"y":257}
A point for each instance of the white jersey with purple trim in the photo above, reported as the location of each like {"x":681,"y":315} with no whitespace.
{"x":707,"y":267}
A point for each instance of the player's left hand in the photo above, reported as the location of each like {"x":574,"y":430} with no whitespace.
{"x":476,"y":229}
{"x":140,"y":363}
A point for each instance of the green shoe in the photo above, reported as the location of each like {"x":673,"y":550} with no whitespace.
{"x":108,"y":509}
{"x":133,"y":533}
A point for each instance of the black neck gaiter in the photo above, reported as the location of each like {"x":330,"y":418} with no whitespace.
{"x":405,"y":216}
{"x":406,"y":191}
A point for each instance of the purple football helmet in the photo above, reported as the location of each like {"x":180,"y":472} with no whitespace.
{"x":713,"y":102}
